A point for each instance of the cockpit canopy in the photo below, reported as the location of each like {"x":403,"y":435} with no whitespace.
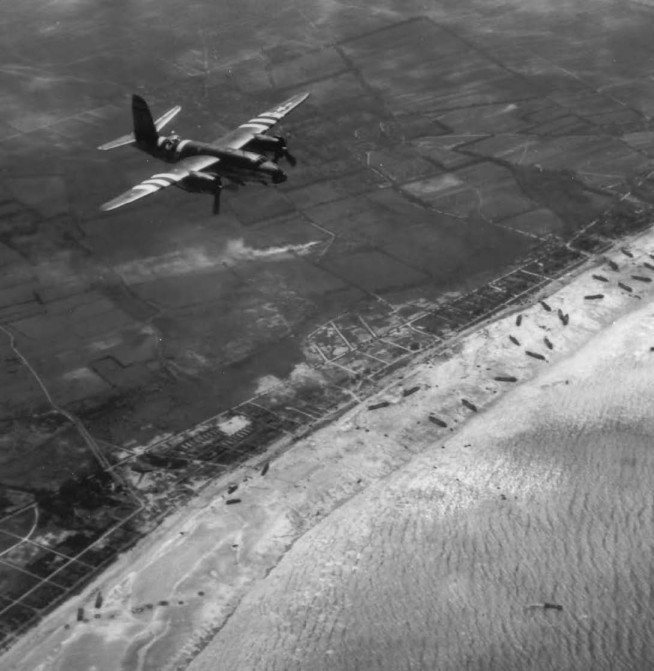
{"x":170,"y":142}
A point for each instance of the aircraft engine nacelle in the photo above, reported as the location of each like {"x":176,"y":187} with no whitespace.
{"x":266,"y":144}
{"x":201,"y":182}
{"x":237,"y":157}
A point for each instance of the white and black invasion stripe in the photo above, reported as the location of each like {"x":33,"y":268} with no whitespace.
{"x":159,"y":181}
{"x":274,"y":115}
{"x":263,"y":122}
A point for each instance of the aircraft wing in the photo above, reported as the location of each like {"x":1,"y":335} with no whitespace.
{"x":239,"y":137}
{"x":161,"y":180}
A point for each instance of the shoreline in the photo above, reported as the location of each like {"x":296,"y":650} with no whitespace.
{"x":520,"y":542}
{"x":311,"y":479}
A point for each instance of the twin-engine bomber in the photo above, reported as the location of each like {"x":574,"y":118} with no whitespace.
{"x":243,"y":155}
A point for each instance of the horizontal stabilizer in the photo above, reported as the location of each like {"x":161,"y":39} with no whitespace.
{"x":162,"y":121}
{"x":118,"y":142}
{"x":167,"y":117}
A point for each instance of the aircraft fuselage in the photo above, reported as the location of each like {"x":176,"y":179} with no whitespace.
{"x":237,"y":165}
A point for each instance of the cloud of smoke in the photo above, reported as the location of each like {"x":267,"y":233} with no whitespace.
{"x":301,"y":377}
{"x":237,"y":250}
{"x":198,"y":260}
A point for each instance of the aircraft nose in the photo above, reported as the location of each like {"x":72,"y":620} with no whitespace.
{"x":277,"y":174}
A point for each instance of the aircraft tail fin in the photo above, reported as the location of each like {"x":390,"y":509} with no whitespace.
{"x":145,"y":132}
{"x":142,"y":120}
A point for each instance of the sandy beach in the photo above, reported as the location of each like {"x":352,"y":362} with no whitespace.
{"x":427,"y":533}
{"x":449,"y":562}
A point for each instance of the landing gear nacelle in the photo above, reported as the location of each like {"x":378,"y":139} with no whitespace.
{"x":202,"y":182}
{"x":205,"y":182}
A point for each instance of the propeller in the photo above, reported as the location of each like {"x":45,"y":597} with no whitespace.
{"x":283,"y":152}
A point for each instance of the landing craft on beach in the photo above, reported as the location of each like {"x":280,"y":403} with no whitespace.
{"x":243,"y":155}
